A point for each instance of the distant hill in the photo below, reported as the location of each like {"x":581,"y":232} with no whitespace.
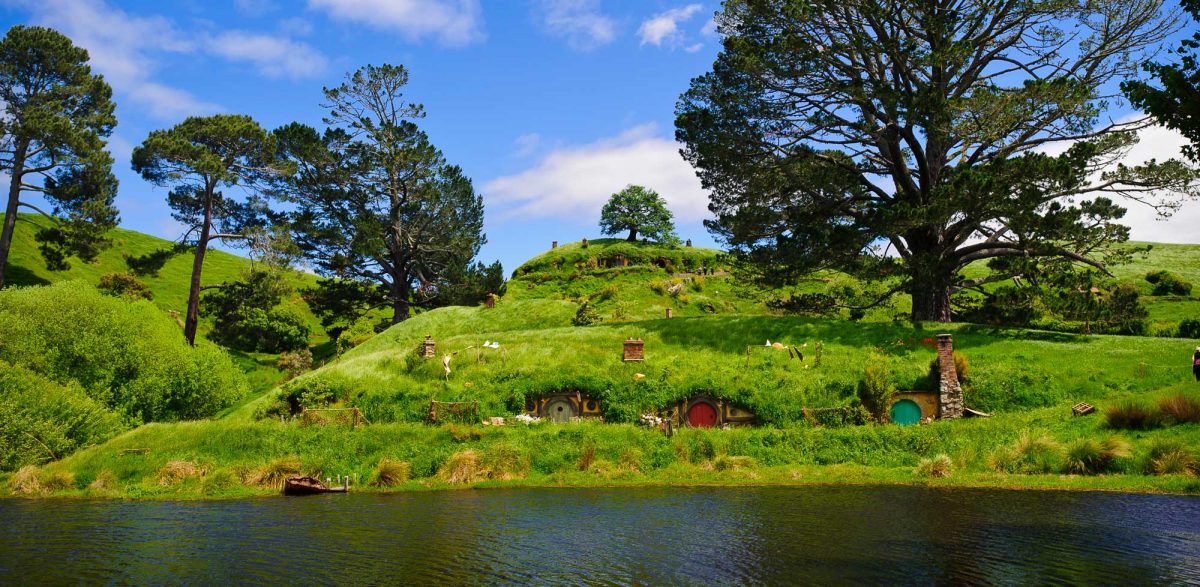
{"x":170,"y":286}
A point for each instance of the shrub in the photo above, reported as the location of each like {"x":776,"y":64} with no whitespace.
{"x":1189,"y":328}
{"x":25,"y":481}
{"x":1180,"y":409}
{"x":939,"y":466}
{"x":734,"y":463}
{"x":1167,"y":284}
{"x":359,"y":332}
{"x":1132,"y":415}
{"x":295,"y":363}
{"x":124,"y":285}
{"x":58,"y":481}
{"x":961,"y":366}
{"x":503,"y":461}
{"x":390,"y":473}
{"x":587,"y":456}
{"x":1036,"y":454}
{"x":126,"y":355}
{"x":41,"y":420}
{"x":1087,"y":456}
{"x":876,"y":389}
{"x":586,"y":315}
{"x":659,"y":286}
{"x":105,"y":481}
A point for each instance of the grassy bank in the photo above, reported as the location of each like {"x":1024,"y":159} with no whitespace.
{"x":234,"y":459}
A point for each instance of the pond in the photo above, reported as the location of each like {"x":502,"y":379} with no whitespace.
{"x":611,"y":536}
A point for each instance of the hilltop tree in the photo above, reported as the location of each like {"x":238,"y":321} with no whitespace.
{"x":198,"y":157}
{"x":379,"y":207}
{"x":1177,"y":103}
{"x":640,"y":211}
{"x":833,"y":134}
{"x":56,"y":114}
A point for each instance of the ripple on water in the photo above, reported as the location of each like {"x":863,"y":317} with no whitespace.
{"x":809,"y":535}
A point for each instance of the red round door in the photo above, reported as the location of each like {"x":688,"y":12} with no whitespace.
{"x":702,"y":415}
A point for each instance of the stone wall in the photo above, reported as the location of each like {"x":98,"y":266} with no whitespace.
{"x":950,"y":398}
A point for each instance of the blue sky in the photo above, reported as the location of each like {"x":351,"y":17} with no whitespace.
{"x":548,"y":105}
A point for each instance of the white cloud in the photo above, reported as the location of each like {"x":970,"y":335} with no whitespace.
{"x":580,"y":22}
{"x":526,"y":144}
{"x":272,"y":56}
{"x":121,"y":47}
{"x":453,"y":22}
{"x":296,"y":25}
{"x":574,"y":183}
{"x":1160,"y":143}
{"x":663,"y":28}
{"x":255,"y":7}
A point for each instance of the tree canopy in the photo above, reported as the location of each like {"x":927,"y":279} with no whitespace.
{"x":56,"y":115}
{"x":378,"y":206}
{"x":198,"y":157}
{"x":909,"y":139}
{"x":1176,"y":104}
{"x":638,"y":210}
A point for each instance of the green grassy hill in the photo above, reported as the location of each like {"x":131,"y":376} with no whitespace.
{"x":715,"y":345}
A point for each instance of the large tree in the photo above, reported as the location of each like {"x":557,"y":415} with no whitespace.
{"x":640,"y":211}
{"x":838,"y":133}
{"x":56,"y":115}
{"x":379,"y":207}
{"x":1175,"y":101}
{"x":198,"y":158}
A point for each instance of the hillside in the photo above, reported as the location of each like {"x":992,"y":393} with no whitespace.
{"x":713,"y":347}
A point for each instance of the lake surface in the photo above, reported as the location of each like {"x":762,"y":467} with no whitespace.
{"x":760,"y":536}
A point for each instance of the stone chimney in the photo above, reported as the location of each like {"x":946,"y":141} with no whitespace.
{"x":553,"y":244}
{"x":950,"y":398}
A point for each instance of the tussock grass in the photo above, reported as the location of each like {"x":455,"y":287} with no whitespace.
{"x":25,"y":481}
{"x":273,"y":473}
{"x":390,"y":473}
{"x":58,"y":480}
{"x":175,"y":472}
{"x":105,"y":481}
{"x":1133,"y":414}
{"x":939,"y":466}
{"x":464,"y":467}
{"x":734,"y":463}
{"x":1088,"y":456}
{"x":1171,"y":457}
{"x":1181,"y":408}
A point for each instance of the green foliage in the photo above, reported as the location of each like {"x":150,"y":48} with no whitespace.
{"x":246,"y":316}
{"x":198,"y":157}
{"x":793,"y":194}
{"x":41,"y":420}
{"x":1168,"y":284}
{"x":295,"y":363}
{"x":877,"y":388}
{"x":1030,"y":454}
{"x":1174,"y":101}
{"x":124,"y":285}
{"x":639,"y":210}
{"x":126,"y":355}
{"x":938,"y":466}
{"x":586,"y":315}
{"x":56,"y":114}
{"x":1189,"y":328}
{"x":1170,"y":457}
{"x":962,"y":367}
{"x":378,"y":203}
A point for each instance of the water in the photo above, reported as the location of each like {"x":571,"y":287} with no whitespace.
{"x":761,"y":536}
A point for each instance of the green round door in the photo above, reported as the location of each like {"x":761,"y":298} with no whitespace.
{"x":905,"y":412}
{"x":560,"y":410}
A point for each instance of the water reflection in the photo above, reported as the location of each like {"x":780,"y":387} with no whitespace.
{"x":815,"y":535}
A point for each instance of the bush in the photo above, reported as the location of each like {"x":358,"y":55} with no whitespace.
{"x":1180,"y":409}
{"x":359,"y":332}
{"x":939,"y":466}
{"x":1133,"y":415}
{"x":124,"y":285}
{"x":1171,"y":457}
{"x":41,"y":420}
{"x":876,"y":389}
{"x":586,"y":315}
{"x":126,"y":355}
{"x":1168,"y":284}
{"x":1030,"y":454}
{"x":295,"y":363}
{"x":1189,"y":328}
{"x":1087,"y":456}
{"x":961,"y":366}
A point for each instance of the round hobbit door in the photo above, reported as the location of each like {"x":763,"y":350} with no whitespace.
{"x":702,"y":415}
{"x":905,"y":412}
{"x":560,"y":410}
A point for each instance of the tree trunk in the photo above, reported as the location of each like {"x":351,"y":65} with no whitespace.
{"x":930,"y":301}
{"x":400,"y":291}
{"x":10,"y":211}
{"x":193,"y":307}
{"x":632,"y":234}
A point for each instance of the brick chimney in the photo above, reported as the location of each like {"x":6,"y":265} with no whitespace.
{"x":950,"y":398}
